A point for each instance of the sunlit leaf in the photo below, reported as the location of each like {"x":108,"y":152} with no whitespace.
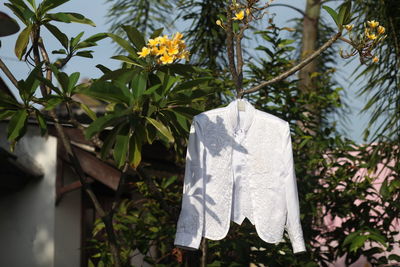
{"x":17,"y":125}
{"x":161,"y":128}
{"x":22,"y":42}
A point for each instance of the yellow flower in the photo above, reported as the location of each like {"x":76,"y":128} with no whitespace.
{"x":218,"y":22}
{"x":164,"y":39}
{"x":239,"y":16}
{"x":373,"y":23}
{"x":173,"y":50}
{"x":145,"y":51}
{"x":381,"y":30}
{"x":178,"y":36}
{"x":184,"y":55}
{"x":371,"y":36}
{"x":349,"y":27}
{"x":375,"y":59}
{"x":162,"y":50}
{"x":154,"y":50}
{"x":153,"y":42}
{"x":166,"y":59}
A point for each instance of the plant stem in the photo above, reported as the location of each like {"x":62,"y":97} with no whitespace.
{"x":8,"y":73}
{"x":230,"y":46}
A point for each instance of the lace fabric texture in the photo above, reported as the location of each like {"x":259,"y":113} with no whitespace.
{"x":239,"y":164}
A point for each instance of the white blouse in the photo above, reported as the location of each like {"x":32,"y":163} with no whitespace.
{"x":239,"y":164}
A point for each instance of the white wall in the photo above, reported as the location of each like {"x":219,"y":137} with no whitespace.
{"x":27,"y":216}
{"x":33,"y":231}
{"x":68,"y":226}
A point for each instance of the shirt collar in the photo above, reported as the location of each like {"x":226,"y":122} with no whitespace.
{"x":233,"y":113}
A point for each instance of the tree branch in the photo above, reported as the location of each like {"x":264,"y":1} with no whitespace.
{"x":230,"y":45}
{"x":300,"y":65}
{"x":8,"y":73}
{"x":45,"y":57}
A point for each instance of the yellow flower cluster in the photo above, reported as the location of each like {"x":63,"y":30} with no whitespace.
{"x":374,"y":30}
{"x":166,"y":50}
{"x":239,"y":16}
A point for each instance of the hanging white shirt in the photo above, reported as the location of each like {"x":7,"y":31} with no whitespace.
{"x":239,"y":164}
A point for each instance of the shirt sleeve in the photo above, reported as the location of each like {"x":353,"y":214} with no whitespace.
{"x":190,"y":222}
{"x":293,"y":224}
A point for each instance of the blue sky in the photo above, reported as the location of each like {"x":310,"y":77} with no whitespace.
{"x":96,"y":10}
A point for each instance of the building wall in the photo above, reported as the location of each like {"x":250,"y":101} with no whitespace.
{"x":67,"y":235}
{"x":34,"y":231}
{"x":27,"y":216}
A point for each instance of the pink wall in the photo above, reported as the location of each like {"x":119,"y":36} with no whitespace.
{"x":331,"y":223}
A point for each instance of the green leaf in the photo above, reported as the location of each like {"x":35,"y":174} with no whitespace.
{"x":384,"y":190}
{"x":350,"y":237}
{"x":285,"y":42}
{"x":130,"y":60}
{"x":109,"y":141}
{"x":190,"y":84}
{"x":344,"y":13}
{"x":123,"y":43}
{"x":168,"y":82}
{"x":86,"y":53}
{"x":63,"y":79}
{"x":47,"y":5}
{"x":139,"y":82}
{"x":103,"y":68}
{"x":102,"y":122}
{"x":85,"y":44}
{"x":17,"y":125}
{"x":135,"y":154}
{"x":88,"y":111}
{"x":358,"y":242}
{"x":60,"y":36}
{"x":41,"y":121}
{"x":161,"y":128}
{"x":333,"y":14}
{"x":108,"y":91}
{"x":68,"y":17}
{"x":177,"y":68}
{"x":6,"y":101}
{"x":22,"y":42}
{"x":21,"y":11}
{"x":375,"y":235}
{"x":32,"y":3}
{"x":52,"y":102}
{"x":73,"y":79}
{"x":96,"y":37}
{"x":75,"y":40}
{"x":152,"y":89}
{"x":59,"y":52}
{"x":124,"y":75}
{"x":6,"y":114}
{"x":394,"y":257}
{"x":134,"y":36}
{"x":169,"y":181}
{"x":156,"y":33}
{"x":121,"y":146}
{"x":50,"y":84}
